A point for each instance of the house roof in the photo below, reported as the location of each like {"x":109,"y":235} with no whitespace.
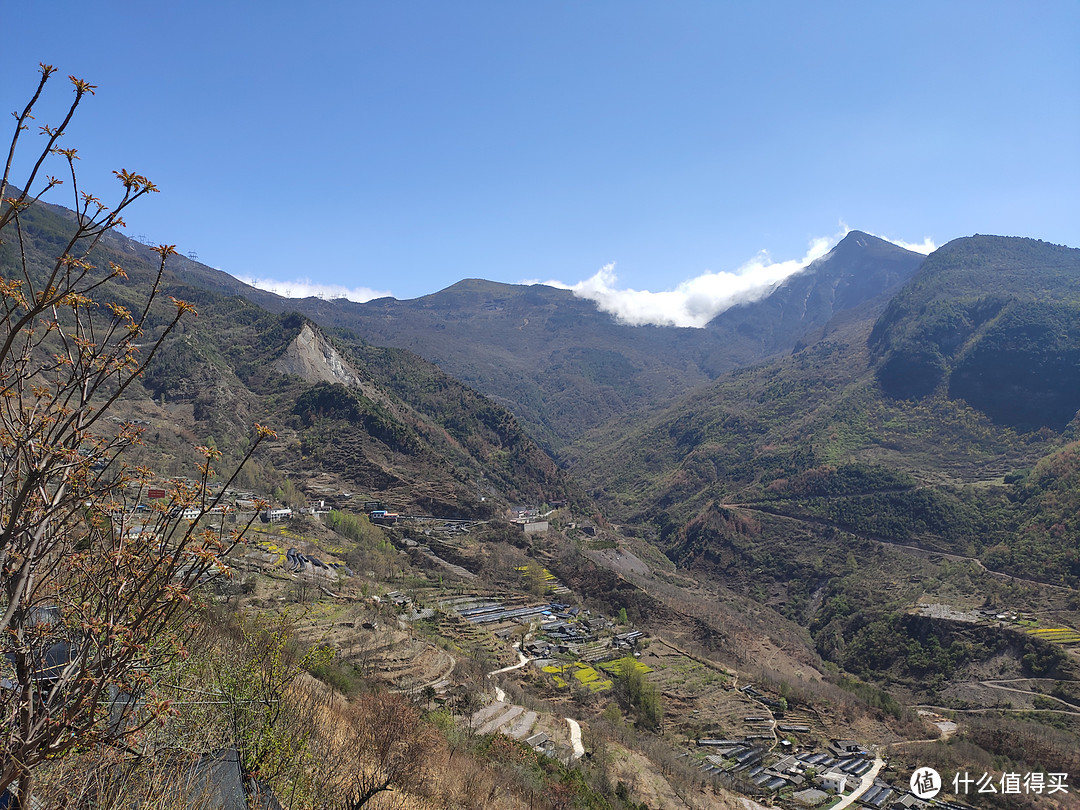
{"x":51,"y":662}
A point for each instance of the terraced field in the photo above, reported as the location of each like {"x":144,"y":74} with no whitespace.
{"x":580,"y":671}
{"x":1056,"y":635}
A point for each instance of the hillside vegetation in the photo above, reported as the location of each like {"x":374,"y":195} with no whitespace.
{"x":996,"y":322}
{"x":888,"y":468}
{"x":875,"y":510}
{"x":563,"y":366}
{"x":402,"y":426}
{"x":823,"y":434}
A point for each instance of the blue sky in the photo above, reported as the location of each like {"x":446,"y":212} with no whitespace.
{"x":619,"y":147}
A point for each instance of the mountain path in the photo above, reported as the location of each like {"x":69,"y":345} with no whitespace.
{"x":817,"y":521}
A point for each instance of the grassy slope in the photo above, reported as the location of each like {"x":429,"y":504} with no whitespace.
{"x":813,"y":434}
{"x":803,"y":485}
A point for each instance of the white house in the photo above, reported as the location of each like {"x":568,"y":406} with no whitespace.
{"x":834,"y":781}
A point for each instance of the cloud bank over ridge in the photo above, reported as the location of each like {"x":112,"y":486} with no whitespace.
{"x":693,"y":303}
{"x":697,"y":301}
{"x":306,"y":288}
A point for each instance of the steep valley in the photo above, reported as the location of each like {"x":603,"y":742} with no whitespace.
{"x":831,"y":544}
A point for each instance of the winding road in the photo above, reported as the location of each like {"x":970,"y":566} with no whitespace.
{"x":864,"y":785}
{"x":919,"y":550}
{"x":524,"y":659}
{"x":575,"y":737}
{"x":575,"y":727}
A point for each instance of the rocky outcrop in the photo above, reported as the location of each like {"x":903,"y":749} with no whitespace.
{"x":311,"y":357}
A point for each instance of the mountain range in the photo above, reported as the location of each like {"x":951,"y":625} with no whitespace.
{"x":370,"y":418}
{"x":924,"y":403}
{"x":813,"y":486}
{"x":563,"y":366}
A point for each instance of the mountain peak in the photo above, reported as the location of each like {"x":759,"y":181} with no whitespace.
{"x":860,"y":241}
{"x":859,"y":270}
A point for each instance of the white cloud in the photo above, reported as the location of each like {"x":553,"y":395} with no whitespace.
{"x":697,"y":301}
{"x":925,"y":247}
{"x":306,"y":288}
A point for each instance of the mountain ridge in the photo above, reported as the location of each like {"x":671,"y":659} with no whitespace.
{"x":402,"y":425}
{"x":564,"y":366}
{"x":993,"y":319}
{"x":790,"y":512}
{"x":754,"y":434}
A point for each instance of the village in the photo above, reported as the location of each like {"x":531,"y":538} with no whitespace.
{"x":571,"y":654}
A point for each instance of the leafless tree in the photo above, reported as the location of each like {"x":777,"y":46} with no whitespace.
{"x":90,"y":602}
{"x":386,"y":750}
